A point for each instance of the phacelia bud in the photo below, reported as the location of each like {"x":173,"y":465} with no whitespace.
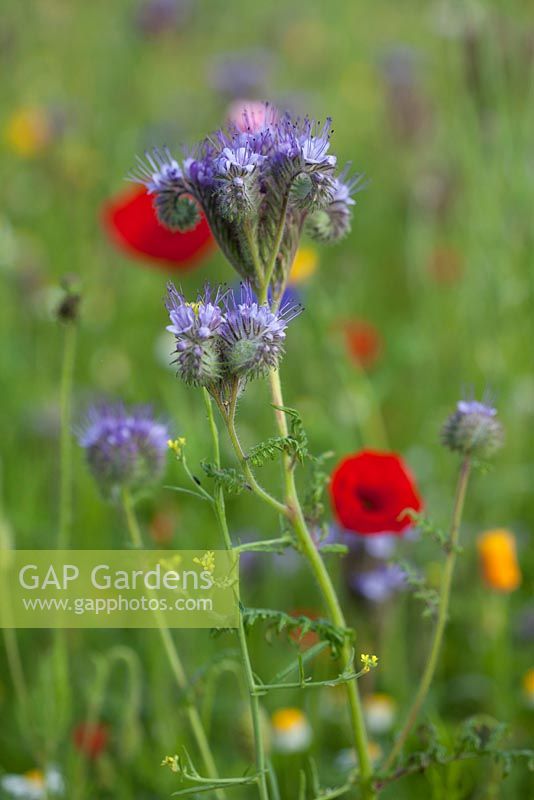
{"x":176,"y":212}
{"x":473,"y":430}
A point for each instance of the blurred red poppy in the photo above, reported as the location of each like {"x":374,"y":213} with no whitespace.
{"x":363,"y":342}
{"x":90,"y":739}
{"x":131,"y":223}
{"x":304,"y":639}
{"x":370,"y":490}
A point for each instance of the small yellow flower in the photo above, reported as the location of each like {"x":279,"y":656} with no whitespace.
{"x":498,"y":558}
{"x":291,"y":731}
{"x":304,"y":265}
{"x":528,"y":687}
{"x":207,"y":562}
{"x":173,"y":762}
{"x":28,"y":132}
{"x":368,"y":662}
{"x":177,"y":446}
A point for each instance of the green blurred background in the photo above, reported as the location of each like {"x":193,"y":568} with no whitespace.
{"x":434,"y":103}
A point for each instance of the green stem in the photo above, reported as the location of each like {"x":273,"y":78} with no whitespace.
{"x":431,"y":664}
{"x":276,"y":249}
{"x":312,"y":555}
{"x":172,"y":655}
{"x":281,"y":508}
{"x":252,"y":243}
{"x":65,"y":480}
{"x":220,"y":511}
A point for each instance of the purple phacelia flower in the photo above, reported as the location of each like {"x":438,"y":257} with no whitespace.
{"x":332,"y":222}
{"x":378,"y":585}
{"x":196,"y":327}
{"x":159,"y":171}
{"x":475,"y":407}
{"x":253,"y":335}
{"x":125,"y":447}
{"x":257,"y":181}
{"x":473,"y":430}
{"x":165,"y":179}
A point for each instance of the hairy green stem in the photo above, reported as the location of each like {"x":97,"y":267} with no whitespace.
{"x":276,"y":249}
{"x":175,"y":662}
{"x":316,"y":563}
{"x":220,"y":512}
{"x":445,"y":592}
{"x":281,"y":508}
{"x":65,"y":479}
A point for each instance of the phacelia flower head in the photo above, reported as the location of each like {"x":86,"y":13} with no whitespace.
{"x":473,"y":430}
{"x":257,"y":182}
{"x":253,"y":335}
{"x":332,"y":223}
{"x":196,"y":327}
{"x":126,"y":448}
{"x":370,"y":491}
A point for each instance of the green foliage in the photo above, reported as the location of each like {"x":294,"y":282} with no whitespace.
{"x":230,"y":479}
{"x":477,"y":737}
{"x":420,"y":589}
{"x":295,"y":444}
{"x":318,"y":478}
{"x":428,"y":527}
{"x":279,"y":622}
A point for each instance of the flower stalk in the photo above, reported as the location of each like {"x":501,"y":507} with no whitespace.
{"x":171,"y":652}
{"x":445,"y":592}
{"x":220,"y":512}
{"x":328,"y":592}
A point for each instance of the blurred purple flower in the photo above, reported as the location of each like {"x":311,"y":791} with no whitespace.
{"x":241,"y":74}
{"x":125,"y":447}
{"x":378,"y":585}
{"x":154,"y":17}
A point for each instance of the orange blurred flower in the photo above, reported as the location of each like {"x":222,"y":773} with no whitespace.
{"x":162,"y":527}
{"x":363,"y":341}
{"x":498,"y":559}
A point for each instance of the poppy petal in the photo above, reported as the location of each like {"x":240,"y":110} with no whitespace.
{"x":131,"y":223}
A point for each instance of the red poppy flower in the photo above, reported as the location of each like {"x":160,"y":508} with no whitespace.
{"x":369,"y":491}
{"x":363,"y":342}
{"x":91,"y":740}
{"x":131,"y":223}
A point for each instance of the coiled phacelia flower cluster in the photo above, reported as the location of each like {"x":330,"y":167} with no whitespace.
{"x":227,"y":335}
{"x":259,"y":184}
